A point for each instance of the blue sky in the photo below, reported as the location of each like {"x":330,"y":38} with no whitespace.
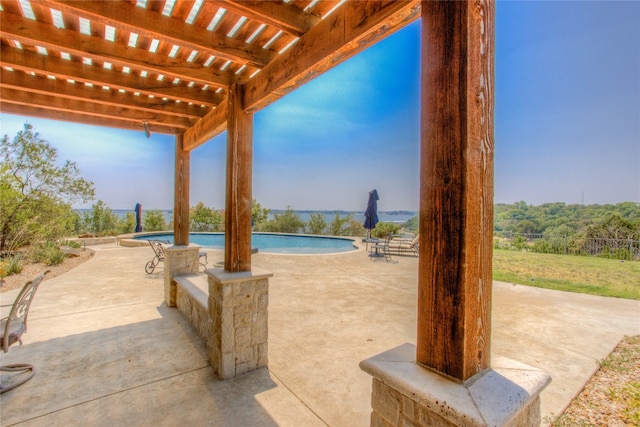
{"x":567,"y":124}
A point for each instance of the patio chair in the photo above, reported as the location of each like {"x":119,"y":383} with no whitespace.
{"x":401,"y":245}
{"x":380,"y":249}
{"x":158,"y":250}
{"x":13,"y":326}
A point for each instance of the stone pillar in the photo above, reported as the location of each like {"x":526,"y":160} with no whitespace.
{"x":407,"y":394}
{"x":238,"y":305}
{"x":178,"y":261}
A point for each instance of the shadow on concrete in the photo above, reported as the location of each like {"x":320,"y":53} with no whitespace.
{"x":142,"y":373}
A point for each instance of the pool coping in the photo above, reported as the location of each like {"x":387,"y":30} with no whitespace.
{"x":133,"y":240}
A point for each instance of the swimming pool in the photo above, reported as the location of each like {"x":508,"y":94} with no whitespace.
{"x":269,"y":242}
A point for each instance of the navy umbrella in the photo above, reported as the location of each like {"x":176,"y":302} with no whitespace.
{"x":371,"y":214}
{"x":138,"y":217}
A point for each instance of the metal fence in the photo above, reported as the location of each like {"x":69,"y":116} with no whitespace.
{"x":622,"y":249}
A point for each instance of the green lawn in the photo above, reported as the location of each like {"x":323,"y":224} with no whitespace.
{"x":588,"y":275}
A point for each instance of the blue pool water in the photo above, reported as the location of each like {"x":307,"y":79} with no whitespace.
{"x":271,"y":243}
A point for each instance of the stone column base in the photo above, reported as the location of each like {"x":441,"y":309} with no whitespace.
{"x":407,"y":394}
{"x":178,"y":261}
{"x":238,"y":305}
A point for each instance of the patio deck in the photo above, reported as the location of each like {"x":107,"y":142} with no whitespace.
{"x":109,"y":352}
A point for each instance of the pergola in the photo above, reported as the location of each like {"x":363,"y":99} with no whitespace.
{"x":197,"y":68}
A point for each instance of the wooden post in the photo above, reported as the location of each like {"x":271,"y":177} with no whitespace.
{"x":456,"y":193}
{"x":181,"y":194}
{"x":237,"y":251}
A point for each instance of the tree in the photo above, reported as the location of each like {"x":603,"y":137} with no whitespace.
{"x":316,"y":224}
{"x":36,"y":194}
{"x":258,"y":213}
{"x":336,"y":228}
{"x":526,"y":226}
{"x":202,"y":218}
{"x":287,"y":222}
{"x":355,"y":228}
{"x":127,"y":224}
{"x":614,"y":227}
{"x":412,"y":224}
{"x":101,"y":220}
{"x":154,"y":220}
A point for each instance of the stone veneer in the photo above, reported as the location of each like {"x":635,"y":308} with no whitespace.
{"x":238,"y":304}
{"x":179,"y":261}
{"x":229,"y":312}
{"x":409,"y":395}
{"x":192,"y":300}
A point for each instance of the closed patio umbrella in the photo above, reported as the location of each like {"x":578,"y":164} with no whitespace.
{"x":371,"y":214}
{"x":138,"y":217}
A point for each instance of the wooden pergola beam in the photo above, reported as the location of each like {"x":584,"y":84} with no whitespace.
{"x":349,"y":30}
{"x":211,"y":125}
{"x":155,"y":25}
{"x":73,"y":91}
{"x":21,"y":59}
{"x":329,"y":43}
{"x":66,"y":116}
{"x":456,"y":192}
{"x":27,"y":31}
{"x":50,"y":102}
{"x":280,"y":15}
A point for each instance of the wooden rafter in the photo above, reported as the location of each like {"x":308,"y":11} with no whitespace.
{"x":60,"y":68}
{"x":36,"y":33}
{"x":280,"y":15}
{"x":65,"y":90}
{"x":329,"y":43}
{"x":155,"y":25}
{"x":118,"y":63}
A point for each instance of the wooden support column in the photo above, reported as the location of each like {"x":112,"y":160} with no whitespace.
{"x":456,"y":233}
{"x":456,"y":193}
{"x":237,"y":251}
{"x":181,"y":194}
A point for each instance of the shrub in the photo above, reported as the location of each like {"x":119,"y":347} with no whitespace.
{"x":355,"y":228}
{"x":154,"y":220}
{"x":316,"y":224}
{"x":49,"y":254}
{"x":412,"y":224}
{"x":126,"y":224}
{"x":54,"y":256}
{"x":100,"y":220}
{"x":286,"y":222}
{"x":72,"y":244}
{"x":202,"y":218}
{"x":12,"y":265}
{"x":337,"y":226}
{"x":385,"y":229}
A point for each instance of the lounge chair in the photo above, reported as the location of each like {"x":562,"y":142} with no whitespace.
{"x":13,"y":326}
{"x":401,"y":245}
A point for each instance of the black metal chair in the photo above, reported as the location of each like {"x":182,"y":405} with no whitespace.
{"x":380,"y":249}
{"x":158,"y":250}
{"x":13,"y":326}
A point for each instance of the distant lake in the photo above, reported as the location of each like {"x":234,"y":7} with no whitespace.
{"x":397,"y":216}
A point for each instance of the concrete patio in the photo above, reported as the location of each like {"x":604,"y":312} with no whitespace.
{"x":109,"y":352}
